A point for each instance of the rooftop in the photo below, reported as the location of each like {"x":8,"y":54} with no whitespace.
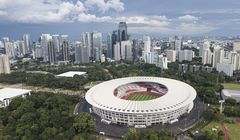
{"x":7,"y":93}
{"x":232,"y":93}
{"x":71,"y":74}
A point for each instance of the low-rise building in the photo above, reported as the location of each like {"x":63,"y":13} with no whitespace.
{"x":234,"y":94}
{"x":8,"y":94}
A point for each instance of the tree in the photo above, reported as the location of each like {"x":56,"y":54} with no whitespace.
{"x":84,"y":123}
{"x":230,"y":101}
{"x":131,"y":134}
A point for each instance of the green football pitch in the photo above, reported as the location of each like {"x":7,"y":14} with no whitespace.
{"x":141,"y":97}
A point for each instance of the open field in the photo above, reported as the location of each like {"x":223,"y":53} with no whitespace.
{"x":141,"y":97}
{"x":233,"y":86}
{"x":212,"y":125}
{"x":234,"y":131}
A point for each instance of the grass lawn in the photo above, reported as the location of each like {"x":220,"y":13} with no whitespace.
{"x":141,"y":97}
{"x":1,"y":129}
{"x":233,"y":86}
{"x":208,"y":128}
{"x":233,"y":130}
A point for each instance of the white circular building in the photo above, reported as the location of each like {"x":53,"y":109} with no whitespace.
{"x":141,"y":101}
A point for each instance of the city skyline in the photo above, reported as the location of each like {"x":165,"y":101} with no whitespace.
{"x":154,"y":17}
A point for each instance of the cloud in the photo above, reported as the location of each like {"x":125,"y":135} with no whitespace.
{"x":188,"y":18}
{"x":85,"y":11}
{"x":53,"y":11}
{"x":92,"y":18}
{"x":174,"y":28}
{"x":145,"y":20}
{"x":105,"y":5}
{"x":3,"y":13}
{"x":215,"y":11}
{"x":195,"y":28}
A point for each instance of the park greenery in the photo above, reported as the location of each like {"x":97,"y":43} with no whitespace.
{"x":45,"y":116}
{"x":50,"y":116}
{"x":133,"y":134}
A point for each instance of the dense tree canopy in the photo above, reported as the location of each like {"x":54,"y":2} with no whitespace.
{"x":44,"y":116}
{"x":132,"y":134}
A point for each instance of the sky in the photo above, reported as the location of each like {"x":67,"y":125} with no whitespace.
{"x":144,"y":17}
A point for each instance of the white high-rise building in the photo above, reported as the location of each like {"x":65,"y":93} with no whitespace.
{"x":56,"y":42}
{"x":38,"y":51}
{"x":206,"y":46}
{"x":103,"y":58}
{"x":27,"y":42}
{"x":21,"y":49}
{"x":218,"y":56}
{"x":44,"y":44}
{"x":126,"y":50}
{"x":235,"y":60}
{"x":4,"y":64}
{"x":236,"y":46}
{"x":162,"y":62}
{"x":5,"y":40}
{"x":207,"y":57}
{"x":97,"y":45}
{"x":178,"y":45}
{"x":87,"y":43}
{"x":10,"y":49}
{"x":226,"y":68}
{"x":65,"y":51}
{"x":171,"y":55}
{"x":185,"y":55}
{"x":117,"y":51}
{"x":81,"y":53}
{"x":151,"y":57}
{"x":147,"y":44}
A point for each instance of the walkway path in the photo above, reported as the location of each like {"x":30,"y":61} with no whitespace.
{"x":225,"y":131}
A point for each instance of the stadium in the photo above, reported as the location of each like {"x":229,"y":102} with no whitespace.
{"x":141,"y":101}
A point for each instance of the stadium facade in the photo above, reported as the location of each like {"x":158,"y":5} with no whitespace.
{"x":141,"y":101}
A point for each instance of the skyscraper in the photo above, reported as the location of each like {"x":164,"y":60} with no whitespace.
{"x":185,"y":55}
{"x":51,"y":52}
{"x":218,"y":56}
{"x":178,"y":45}
{"x":126,"y":50}
{"x":171,"y":55}
{"x":65,"y":51}
{"x":122,"y":31}
{"x":109,"y":46}
{"x":56,"y":42}
{"x":147,"y":44}
{"x":27,"y":42}
{"x":117,"y":51}
{"x":44,"y":44}
{"x":5,"y":40}
{"x":87,"y":43}
{"x":4,"y":64}
{"x":97,"y":45}
{"x":236,"y":46}
{"x":10,"y":50}
{"x":114,"y":40}
{"x":207,"y":56}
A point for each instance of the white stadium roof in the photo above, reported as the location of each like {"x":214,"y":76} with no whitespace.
{"x":179,"y":95}
{"x":8,"y":93}
{"x":71,"y":74}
